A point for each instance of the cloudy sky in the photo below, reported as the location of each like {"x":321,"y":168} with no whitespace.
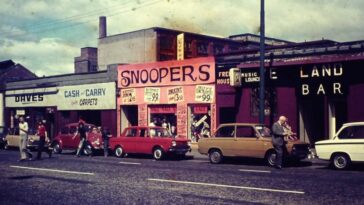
{"x":46,"y":35}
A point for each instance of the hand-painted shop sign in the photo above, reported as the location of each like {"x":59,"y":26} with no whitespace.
{"x":29,"y":98}
{"x":175,"y":95}
{"x":204,"y":93}
{"x":187,"y":72}
{"x":152,"y":95}
{"x":322,"y":79}
{"x":37,"y":97}
{"x":87,"y":97}
{"x":128,"y":96}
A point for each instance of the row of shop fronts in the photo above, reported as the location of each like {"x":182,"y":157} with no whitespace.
{"x":192,"y":97}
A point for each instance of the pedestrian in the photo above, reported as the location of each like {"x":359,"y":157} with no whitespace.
{"x":81,"y":131}
{"x":23,"y":132}
{"x":105,"y":136}
{"x":43,"y":138}
{"x":278,"y":140}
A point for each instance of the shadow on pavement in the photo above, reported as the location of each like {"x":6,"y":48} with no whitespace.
{"x":50,"y":178}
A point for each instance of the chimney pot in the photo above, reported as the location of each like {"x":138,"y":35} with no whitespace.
{"x":102,"y":27}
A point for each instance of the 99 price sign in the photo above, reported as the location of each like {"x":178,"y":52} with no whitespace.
{"x":204,"y":93}
{"x":151,"y":95}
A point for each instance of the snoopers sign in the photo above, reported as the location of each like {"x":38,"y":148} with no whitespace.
{"x":187,"y":72}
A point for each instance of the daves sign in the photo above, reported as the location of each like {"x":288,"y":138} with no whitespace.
{"x":324,"y":79}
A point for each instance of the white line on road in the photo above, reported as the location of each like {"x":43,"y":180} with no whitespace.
{"x":53,"y":170}
{"x":252,"y":170}
{"x":227,"y":186}
{"x":135,"y":163}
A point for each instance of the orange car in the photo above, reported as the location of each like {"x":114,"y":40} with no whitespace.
{"x":247,"y":140}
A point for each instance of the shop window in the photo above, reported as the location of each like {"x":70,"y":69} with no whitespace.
{"x":226,"y":131}
{"x":270,"y":102}
{"x":200,"y":122}
{"x":245,"y":131}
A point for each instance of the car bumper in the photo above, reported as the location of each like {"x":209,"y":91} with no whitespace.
{"x":299,"y":154}
{"x":179,"y":150}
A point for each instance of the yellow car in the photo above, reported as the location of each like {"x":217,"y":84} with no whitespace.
{"x":12,"y":139}
{"x":247,"y":140}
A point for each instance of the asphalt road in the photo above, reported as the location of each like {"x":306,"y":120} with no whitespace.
{"x":65,"y":179}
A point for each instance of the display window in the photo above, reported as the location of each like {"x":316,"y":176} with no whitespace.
{"x":200,"y":122}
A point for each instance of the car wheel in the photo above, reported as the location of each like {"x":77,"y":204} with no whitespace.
{"x":158,"y":154}
{"x":215,"y":156}
{"x":119,"y":152}
{"x":270,"y":158}
{"x":57,"y":148}
{"x":340,"y":161}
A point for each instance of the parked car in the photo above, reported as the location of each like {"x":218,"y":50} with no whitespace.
{"x":345,"y":148}
{"x":247,"y":140}
{"x":64,"y":140}
{"x":157,"y":141}
{"x":12,"y":139}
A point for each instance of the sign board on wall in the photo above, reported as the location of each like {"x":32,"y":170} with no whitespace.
{"x":38,"y":97}
{"x":175,"y":95}
{"x":167,"y":73}
{"x":128,"y":96}
{"x":205,"y":93}
{"x":87,"y":97}
{"x":152,"y":95}
{"x":180,"y":46}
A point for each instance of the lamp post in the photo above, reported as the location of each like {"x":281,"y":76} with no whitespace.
{"x":261,"y":69}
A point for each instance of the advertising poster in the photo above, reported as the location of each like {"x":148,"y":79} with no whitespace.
{"x":204,"y":93}
{"x":175,"y":95}
{"x":152,"y":95}
{"x":128,"y":96}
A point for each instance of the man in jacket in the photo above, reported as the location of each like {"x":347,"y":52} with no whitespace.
{"x":23,"y":132}
{"x":278,"y":140}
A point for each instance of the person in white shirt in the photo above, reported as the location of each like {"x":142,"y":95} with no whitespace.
{"x":23,"y":132}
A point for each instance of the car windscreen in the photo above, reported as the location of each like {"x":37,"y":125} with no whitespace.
{"x":264,"y":131}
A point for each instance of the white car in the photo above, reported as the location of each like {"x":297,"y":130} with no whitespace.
{"x":346,"y":147}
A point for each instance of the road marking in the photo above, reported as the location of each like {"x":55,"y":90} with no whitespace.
{"x":53,"y":170}
{"x":135,"y":163}
{"x":227,"y":186}
{"x":252,"y":170}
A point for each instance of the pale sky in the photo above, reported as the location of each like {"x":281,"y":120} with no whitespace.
{"x":46,"y":35}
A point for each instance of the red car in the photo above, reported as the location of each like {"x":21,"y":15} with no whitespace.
{"x":149,"y":140}
{"x":64,"y":141}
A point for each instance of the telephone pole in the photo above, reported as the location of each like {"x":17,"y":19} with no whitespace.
{"x":262,"y":70}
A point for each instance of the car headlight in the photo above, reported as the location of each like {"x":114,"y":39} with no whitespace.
{"x":189,"y":144}
{"x":293,"y":148}
{"x":97,"y":141}
{"x":174,"y":143}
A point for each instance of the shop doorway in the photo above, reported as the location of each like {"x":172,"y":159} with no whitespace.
{"x":227,"y":115}
{"x":163,"y":116}
{"x":199,"y":122}
{"x":129,"y":116}
{"x":312,"y":119}
{"x":91,"y":116}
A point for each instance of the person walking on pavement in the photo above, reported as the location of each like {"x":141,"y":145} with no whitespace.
{"x":81,"y":131}
{"x":278,"y":140}
{"x":43,"y":138}
{"x":23,"y":132}
{"x":105,"y":136}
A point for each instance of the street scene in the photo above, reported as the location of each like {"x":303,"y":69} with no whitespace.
{"x":182,"y":102}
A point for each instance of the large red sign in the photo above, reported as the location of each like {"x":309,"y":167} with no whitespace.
{"x":186,"y":72}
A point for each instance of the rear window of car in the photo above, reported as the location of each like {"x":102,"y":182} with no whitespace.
{"x":353,"y":132}
{"x":226,"y":131}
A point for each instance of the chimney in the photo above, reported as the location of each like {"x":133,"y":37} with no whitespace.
{"x":102,"y":27}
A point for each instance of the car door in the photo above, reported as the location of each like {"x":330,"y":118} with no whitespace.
{"x":224,"y":140}
{"x":352,"y":142}
{"x":130,"y":140}
{"x":247,"y":144}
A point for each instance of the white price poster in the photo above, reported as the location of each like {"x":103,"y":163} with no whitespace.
{"x":128,"y":96}
{"x":152,"y":95}
{"x":175,"y":95}
{"x":204,"y":93}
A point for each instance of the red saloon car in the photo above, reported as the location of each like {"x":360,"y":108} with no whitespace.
{"x":64,"y":141}
{"x":149,"y":140}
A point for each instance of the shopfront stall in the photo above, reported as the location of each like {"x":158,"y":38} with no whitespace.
{"x":179,"y":95}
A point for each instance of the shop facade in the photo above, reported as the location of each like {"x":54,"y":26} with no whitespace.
{"x":179,"y":95}
{"x":318,"y":93}
{"x":66,"y":99}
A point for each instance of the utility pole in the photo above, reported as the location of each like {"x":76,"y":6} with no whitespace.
{"x":262,"y":70}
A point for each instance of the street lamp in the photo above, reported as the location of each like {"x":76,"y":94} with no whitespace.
{"x":261,"y":69}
